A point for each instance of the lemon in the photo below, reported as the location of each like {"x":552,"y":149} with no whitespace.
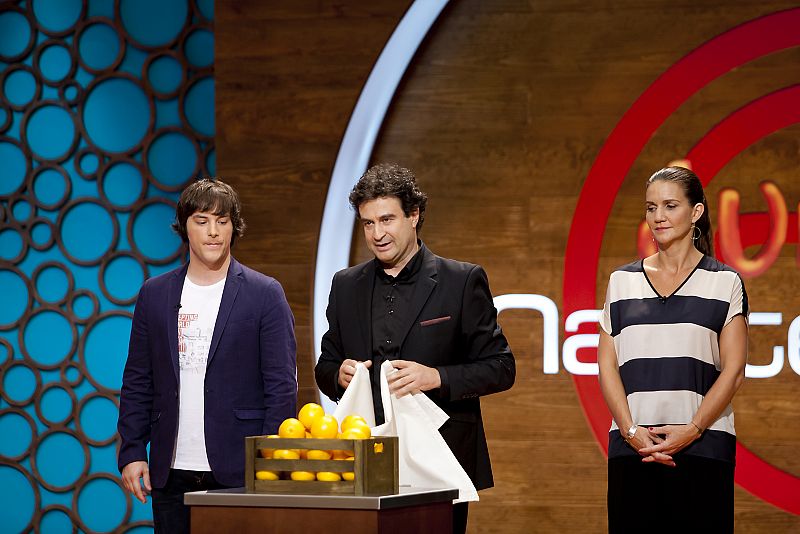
{"x":326,"y":476}
{"x":286,"y":454}
{"x":318,"y":455}
{"x":303,"y":475}
{"x":349,"y":476}
{"x":266,"y":475}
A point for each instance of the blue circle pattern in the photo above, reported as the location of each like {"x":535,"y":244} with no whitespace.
{"x":111,"y":103}
{"x":99,"y":46}
{"x":51,"y":132}
{"x":20,"y":87}
{"x":57,"y":15}
{"x":55,"y":63}
{"x":15,"y":488}
{"x":15,"y":32}
{"x":12,"y":424}
{"x":59,"y":459}
{"x":165,"y":74}
{"x":59,"y":154}
{"x":12,"y":172}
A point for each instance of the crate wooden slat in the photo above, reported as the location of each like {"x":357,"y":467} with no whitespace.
{"x":375,"y":465}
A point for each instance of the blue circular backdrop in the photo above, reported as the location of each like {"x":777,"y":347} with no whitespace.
{"x":110,"y":103}
{"x":99,"y":45}
{"x":106,"y":348}
{"x":18,"y":498}
{"x":87,"y":219}
{"x":153,"y":22}
{"x":57,"y":15}
{"x":15,"y":33}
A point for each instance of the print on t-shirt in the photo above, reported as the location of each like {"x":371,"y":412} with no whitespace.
{"x":193,"y":343}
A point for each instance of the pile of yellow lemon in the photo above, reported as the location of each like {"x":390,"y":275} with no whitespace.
{"x":313,"y":422}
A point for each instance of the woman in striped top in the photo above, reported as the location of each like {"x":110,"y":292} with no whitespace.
{"x":672,"y":353}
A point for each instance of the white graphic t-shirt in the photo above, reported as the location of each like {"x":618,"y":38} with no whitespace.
{"x":196,"y":319}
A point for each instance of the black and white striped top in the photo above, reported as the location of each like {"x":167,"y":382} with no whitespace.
{"x":668,"y":349}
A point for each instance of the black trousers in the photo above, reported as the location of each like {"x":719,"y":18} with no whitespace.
{"x":170,"y":515}
{"x":460,"y":512}
{"x":694,"y":496}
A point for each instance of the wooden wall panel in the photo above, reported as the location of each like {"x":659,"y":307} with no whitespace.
{"x":502,"y":114}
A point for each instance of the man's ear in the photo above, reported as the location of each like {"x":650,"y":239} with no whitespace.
{"x":414,"y":215}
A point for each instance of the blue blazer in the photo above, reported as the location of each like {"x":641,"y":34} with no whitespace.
{"x":251,"y":374}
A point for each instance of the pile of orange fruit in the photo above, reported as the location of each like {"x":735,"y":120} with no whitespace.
{"x":313,"y":422}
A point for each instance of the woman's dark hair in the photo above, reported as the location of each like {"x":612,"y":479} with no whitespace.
{"x":390,"y":180}
{"x":693,"y":189}
{"x":213,"y":196}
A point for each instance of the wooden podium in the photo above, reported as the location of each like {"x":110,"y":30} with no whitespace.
{"x":234,"y":510}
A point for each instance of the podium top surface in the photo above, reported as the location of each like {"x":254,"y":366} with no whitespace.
{"x":408,"y":496}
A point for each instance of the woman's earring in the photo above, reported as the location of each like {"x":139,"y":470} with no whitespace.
{"x":696,"y":235}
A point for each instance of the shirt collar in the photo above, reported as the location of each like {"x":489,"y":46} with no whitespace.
{"x":408,"y":272}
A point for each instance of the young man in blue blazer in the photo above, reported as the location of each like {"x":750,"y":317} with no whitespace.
{"x":211,"y":360}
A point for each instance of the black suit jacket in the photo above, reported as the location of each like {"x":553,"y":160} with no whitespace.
{"x":452,"y":327}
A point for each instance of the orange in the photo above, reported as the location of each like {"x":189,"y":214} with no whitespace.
{"x":318,"y":455}
{"x":303,"y":475}
{"x":356,"y":432}
{"x":349,"y":476}
{"x":310,"y":413}
{"x":348,"y":421}
{"x":266,"y":475}
{"x":340,"y":455}
{"x":325,"y":427}
{"x":292,"y":428}
{"x":360,"y":425}
{"x":286,"y":454}
{"x":326,"y":476}
{"x":267,"y":453}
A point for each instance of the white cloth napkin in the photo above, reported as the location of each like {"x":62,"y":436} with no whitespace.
{"x":425,"y":459}
{"x":357,"y":398}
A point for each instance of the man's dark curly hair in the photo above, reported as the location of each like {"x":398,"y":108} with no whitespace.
{"x":209,"y":195}
{"x":390,"y":180}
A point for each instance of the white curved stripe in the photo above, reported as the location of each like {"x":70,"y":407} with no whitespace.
{"x":333,"y":246}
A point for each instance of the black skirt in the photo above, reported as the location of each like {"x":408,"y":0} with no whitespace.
{"x":695,"y":495}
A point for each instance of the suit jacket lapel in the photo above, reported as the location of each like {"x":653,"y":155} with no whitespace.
{"x":175,"y":291}
{"x":232,"y":285}
{"x":422,"y":291}
{"x":365,"y":284}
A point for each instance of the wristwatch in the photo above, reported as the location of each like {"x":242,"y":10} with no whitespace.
{"x":631,"y":432}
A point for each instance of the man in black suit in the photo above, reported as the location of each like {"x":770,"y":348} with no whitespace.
{"x":433,"y":317}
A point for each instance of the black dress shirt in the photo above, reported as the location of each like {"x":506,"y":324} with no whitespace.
{"x":391,"y":300}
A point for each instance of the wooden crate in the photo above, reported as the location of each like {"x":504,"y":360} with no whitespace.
{"x":375,"y":466}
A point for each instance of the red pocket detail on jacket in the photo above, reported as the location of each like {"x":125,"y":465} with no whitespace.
{"x":438,"y":320}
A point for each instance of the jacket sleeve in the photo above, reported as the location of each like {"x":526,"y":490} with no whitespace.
{"x":278,"y":350}
{"x":487,"y":364}
{"x":136,"y":395}
{"x":326,"y":371}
